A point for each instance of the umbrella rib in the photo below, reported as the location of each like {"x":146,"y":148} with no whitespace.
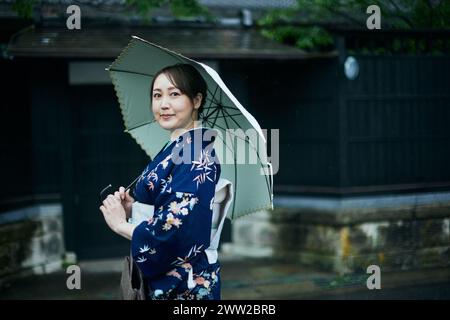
{"x":225,"y":119}
{"x":233,"y":120}
{"x":235,"y":170}
{"x":235,"y":181}
{"x":233,"y":108}
{"x":211,"y":107}
{"x":213,"y":95}
{"x":141,"y":125}
{"x":225,"y":143}
{"x":235,"y":165}
{"x":225,"y":130}
{"x":220,"y":103}
{"x":235,"y":174}
{"x":211,"y":101}
{"x":132,"y":72}
{"x":209,"y":122}
{"x":210,"y":114}
{"x":231,"y":115}
{"x":222,"y":128}
{"x":257,"y":154}
{"x":223,"y":116}
{"x":217,"y":114}
{"x":225,"y":107}
{"x":235,"y":135}
{"x":207,"y":115}
{"x":267,"y":182}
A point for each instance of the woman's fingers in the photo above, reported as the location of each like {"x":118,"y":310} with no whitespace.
{"x":122,"y":193}
{"x":109,"y":201}
{"x":115,"y":200}
{"x":128,"y":197}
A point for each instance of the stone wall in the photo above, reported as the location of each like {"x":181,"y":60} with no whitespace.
{"x":395,"y":232}
{"x":31,"y":241}
{"x":253,"y":235}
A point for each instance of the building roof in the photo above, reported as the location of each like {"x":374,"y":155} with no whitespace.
{"x":249,"y":4}
{"x":120,"y":10}
{"x":239,"y":4}
{"x":107,"y":42}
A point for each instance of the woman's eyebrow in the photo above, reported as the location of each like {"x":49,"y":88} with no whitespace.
{"x":170,"y":88}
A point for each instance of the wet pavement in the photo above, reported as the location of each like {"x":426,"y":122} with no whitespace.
{"x":244,"y":279}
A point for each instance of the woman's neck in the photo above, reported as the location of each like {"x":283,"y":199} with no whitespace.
{"x":178,"y":132}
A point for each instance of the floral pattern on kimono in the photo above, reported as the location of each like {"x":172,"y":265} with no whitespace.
{"x":169,"y":247}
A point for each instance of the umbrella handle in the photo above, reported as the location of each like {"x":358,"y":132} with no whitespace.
{"x":132,"y":183}
{"x":105,"y":189}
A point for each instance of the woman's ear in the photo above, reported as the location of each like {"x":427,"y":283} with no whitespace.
{"x":198,"y":100}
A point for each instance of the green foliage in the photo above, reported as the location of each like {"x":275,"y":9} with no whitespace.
{"x":24,"y":8}
{"x":310,"y":16}
{"x":145,"y":6}
{"x":396,"y":14}
{"x":306,"y":38}
{"x":277,"y":15}
{"x":188,"y":8}
{"x":425,"y":15}
{"x":179,"y":8}
{"x":320,"y":38}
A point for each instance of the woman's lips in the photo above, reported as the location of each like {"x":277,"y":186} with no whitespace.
{"x":166,"y":117}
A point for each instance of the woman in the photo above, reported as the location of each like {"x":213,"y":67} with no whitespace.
{"x":180,"y":182}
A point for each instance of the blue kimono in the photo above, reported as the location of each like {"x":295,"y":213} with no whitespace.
{"x":170,"y":248}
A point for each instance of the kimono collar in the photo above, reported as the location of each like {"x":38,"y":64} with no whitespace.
{"x":196,"y":136}
{"x":187,"y":132}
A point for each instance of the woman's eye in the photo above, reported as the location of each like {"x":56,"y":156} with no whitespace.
{"x":175,"y":93}
{"x":156,"y":95}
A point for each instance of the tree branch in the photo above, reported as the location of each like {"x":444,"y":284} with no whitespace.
{"x":399,"y":14}
{"x":343,"y":14}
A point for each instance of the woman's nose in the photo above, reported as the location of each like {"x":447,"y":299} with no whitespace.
{"x":164,"y":103}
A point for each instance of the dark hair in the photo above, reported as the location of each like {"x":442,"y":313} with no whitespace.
{"x":187,"y":79}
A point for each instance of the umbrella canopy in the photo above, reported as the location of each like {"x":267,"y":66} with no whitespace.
{"x":240,"y":143}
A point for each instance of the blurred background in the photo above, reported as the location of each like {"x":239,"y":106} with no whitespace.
{"x":363,"y":147}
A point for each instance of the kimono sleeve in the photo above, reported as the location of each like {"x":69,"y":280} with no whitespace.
{"x":181,"y":225}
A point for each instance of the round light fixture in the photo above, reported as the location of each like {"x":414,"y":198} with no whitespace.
{"x":351,"y":68}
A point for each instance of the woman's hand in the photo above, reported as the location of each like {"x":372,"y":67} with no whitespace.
{"x":126,"y":200}
{"x":113,"y":212}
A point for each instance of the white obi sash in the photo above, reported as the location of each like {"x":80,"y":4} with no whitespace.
{"x":222,"y":201}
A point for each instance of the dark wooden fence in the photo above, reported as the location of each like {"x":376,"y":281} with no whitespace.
{"x":388,"y":130}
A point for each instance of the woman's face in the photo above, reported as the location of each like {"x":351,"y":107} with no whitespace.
{"x":171,"y":108}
